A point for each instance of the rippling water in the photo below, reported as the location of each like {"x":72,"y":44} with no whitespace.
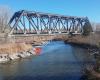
{"x":58,"y":61}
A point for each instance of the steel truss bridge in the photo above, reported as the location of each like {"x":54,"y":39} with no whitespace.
{"x":30,"y":22}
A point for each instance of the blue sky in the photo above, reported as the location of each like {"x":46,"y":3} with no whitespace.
{"x":89,"y":8}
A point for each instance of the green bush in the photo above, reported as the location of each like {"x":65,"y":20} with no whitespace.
{"x":87,"y":29}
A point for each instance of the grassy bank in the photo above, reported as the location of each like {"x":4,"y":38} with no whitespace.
{"x":90,"y":41}
{"x":10,"y":48}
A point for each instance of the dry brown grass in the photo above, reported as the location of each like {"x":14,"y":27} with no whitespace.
{"x":11,"y":48}
{"x":92,"y":39}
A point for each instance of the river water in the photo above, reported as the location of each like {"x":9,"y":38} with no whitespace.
{"x":58,"y":61}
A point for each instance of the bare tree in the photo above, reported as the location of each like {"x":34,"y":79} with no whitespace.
{"x":98,"y":27}
{"x":5,"y":14}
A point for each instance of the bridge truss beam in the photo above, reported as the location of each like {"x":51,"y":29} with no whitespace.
{"x":28,"y":22}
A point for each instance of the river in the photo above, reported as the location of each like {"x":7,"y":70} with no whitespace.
{"x":58,"y":61}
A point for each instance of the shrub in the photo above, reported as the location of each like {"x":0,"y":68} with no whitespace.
{"x":87,"y":29}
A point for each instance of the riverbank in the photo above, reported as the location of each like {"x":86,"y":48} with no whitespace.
{"x":88,"y":42}
{"x":92,"y":44}
{"x":12,"y":51}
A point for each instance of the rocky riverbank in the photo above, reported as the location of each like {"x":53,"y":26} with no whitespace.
{"x":14,"y":51}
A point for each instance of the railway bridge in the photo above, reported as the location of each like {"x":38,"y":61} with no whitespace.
{"x":28,"y":26}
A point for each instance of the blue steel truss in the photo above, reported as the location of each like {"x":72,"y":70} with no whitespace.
{"x":30,"y":22}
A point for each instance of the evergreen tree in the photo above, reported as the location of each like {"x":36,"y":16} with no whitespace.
{"x":87,"y":28}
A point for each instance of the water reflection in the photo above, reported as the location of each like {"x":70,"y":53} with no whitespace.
{"x":56,"y":62}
